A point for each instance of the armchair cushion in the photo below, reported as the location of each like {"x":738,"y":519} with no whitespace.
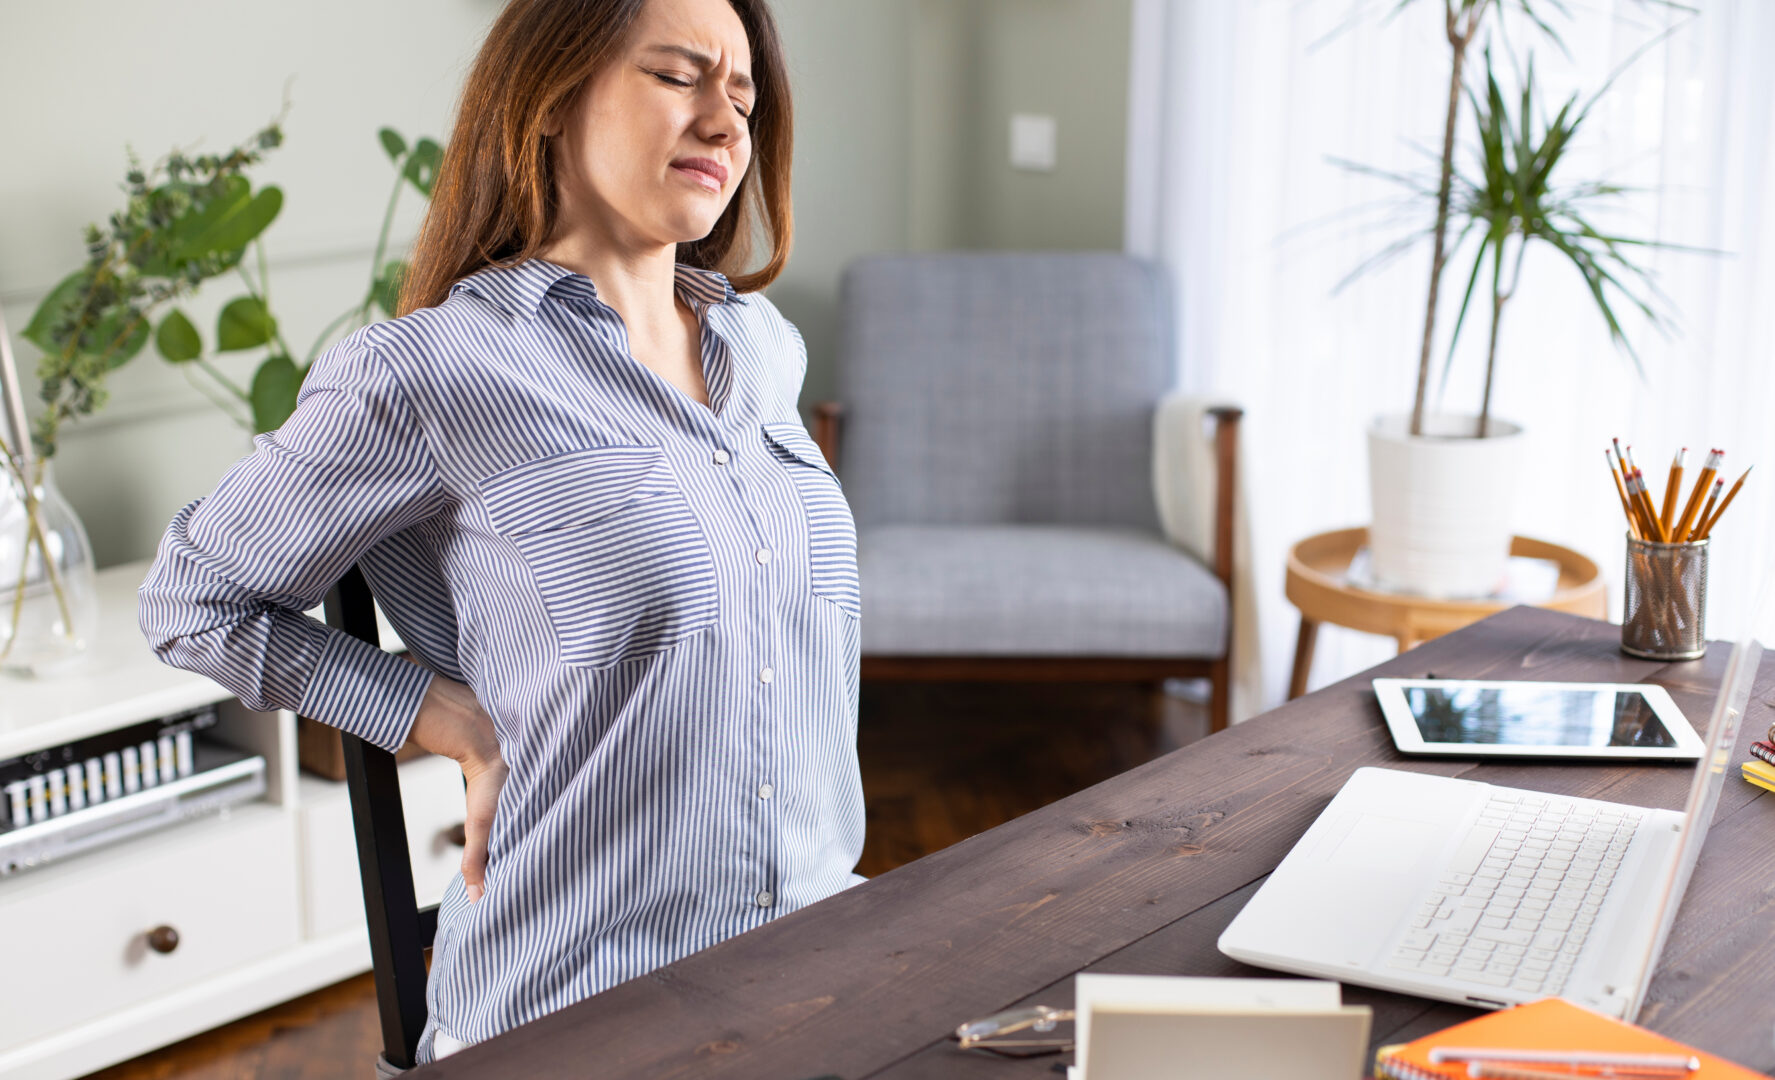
{"x":1000,"y":387}
{"x":1035,"y":590}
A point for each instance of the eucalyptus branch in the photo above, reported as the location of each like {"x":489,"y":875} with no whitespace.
{"x":394,"y":196}
{"x":262,"y":295}
{"x":217,"y":400}
{"x":326,"y":335}
{"x":14,"y":464}
{"x":229,"y":384}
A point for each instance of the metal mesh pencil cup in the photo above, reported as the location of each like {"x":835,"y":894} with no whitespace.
{"x":1665,"y":615}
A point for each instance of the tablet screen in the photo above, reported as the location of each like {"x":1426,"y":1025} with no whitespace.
{"x":1530,"y":715}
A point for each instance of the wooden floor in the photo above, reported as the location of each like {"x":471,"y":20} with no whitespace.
{"x":940,"y":763}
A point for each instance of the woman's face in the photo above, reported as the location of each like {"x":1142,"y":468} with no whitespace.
{"x":654,"y":148}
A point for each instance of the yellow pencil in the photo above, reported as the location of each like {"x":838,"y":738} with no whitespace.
{"x":1642,"y":494}
{"x":1648,"y":517}
{"x":1632,"y":522}
{"x":1706,"y":513}
{"x":1702,"y":484}
{"x":1709,"y":523}
{"x":1666,"y":518}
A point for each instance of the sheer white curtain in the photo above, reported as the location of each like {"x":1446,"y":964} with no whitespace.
{"x":1236,"y":108}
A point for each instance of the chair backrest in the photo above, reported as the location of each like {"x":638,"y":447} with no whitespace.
{"x":400,"y":930}
{"x":1002,"y":387}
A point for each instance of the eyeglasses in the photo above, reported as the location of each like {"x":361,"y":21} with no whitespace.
{"x":988,"y":1033}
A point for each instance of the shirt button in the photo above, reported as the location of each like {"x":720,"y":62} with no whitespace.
{"x":763,"y":555}
{"x":720,"y":457}
{"x":765,"y":791}
{"x":767,"y":675}
{"x":765,"y":899}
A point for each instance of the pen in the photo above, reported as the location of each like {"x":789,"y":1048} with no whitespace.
{"x":1484,"y":1071}
{"x":1575,"y":1058}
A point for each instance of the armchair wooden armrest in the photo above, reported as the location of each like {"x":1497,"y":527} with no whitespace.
{"x":1226,"y":455}
{"x":827,"y":417}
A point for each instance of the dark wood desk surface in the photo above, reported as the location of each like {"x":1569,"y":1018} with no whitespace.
{"x":1139,"y":875}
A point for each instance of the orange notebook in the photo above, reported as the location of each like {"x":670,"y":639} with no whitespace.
{"x":1549,"y":1024}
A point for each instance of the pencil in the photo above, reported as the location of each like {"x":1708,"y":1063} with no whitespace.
{"x":1620,"y":463}
{"x":1702,"y":483}
{"x":1670,"y":490}
{"x":1648,"y":529}
{"x":1706,"y":513}
{"x":1648,"y":517}
{"x":1708,"y":523}
{"x":1632,"y":523}
{"x":1643,"y":491}
{"x":1642,"y":498}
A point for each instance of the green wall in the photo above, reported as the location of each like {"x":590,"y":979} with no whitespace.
{"x":901,"y":144}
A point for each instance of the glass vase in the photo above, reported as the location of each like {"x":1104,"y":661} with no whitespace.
{"x":49,"y":604}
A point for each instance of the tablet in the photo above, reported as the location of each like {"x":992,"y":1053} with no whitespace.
{"x":1535,"y":719}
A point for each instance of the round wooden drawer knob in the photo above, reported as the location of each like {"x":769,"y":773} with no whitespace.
{"x":457,"y":834}
{"x":163,"y":939}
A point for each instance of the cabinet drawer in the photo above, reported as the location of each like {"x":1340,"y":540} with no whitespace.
{"x":77,"y":940}
{"x":432,"y":801}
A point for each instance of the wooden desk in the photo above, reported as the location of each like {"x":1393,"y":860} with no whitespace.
{"x":1140,"y":874}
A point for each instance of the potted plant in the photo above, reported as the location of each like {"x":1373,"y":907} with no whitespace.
{"x":187,"y":220}
{"x":1441,"y":485}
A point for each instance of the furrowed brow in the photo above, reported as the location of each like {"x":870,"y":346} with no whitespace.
{"x":738,"y":78}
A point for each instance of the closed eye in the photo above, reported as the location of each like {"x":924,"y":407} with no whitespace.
{"x":669,"y":80}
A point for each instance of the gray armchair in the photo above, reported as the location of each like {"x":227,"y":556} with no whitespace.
{"x":995,"y":440}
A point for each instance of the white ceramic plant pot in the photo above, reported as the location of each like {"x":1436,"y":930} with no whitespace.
{"x":1442,"y":504}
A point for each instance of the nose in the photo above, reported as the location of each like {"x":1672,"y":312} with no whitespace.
{"x":718,"y":121}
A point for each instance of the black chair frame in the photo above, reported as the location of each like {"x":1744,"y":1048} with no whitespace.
{"x":400,"y":930}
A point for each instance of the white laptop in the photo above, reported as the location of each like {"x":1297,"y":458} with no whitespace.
{"x":1486,"y":895}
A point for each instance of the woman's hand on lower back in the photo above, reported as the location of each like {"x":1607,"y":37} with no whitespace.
{"x":452,"y":724}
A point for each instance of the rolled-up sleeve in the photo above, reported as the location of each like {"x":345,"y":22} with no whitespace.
{"x":237,"y":569}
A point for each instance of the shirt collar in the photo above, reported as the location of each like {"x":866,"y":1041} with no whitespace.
{"x":518,"y":290}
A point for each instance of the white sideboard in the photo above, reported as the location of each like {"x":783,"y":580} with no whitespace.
{"x":265,"y":896}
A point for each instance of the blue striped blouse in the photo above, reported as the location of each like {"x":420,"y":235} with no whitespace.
{"x":656,"y":601}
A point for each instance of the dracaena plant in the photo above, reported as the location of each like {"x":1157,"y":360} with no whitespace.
{"x":1463,"y":20}
{"x":1512,"y":197}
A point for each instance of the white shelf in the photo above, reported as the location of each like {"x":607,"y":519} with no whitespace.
{"x":119,"y":682}
{"x":266,"y":899}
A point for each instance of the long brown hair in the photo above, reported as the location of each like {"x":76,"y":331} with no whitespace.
{"x":495,"y":200}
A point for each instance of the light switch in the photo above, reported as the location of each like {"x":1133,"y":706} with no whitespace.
{"x":1032,"y":142}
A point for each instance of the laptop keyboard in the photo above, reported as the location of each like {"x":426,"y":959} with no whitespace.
{"x":1521,"y":894}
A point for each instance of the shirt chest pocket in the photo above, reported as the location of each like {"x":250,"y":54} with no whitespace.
{"x":619,"y":559}
{"x":831,"y":532}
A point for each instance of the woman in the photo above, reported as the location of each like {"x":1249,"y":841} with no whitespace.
{"x":574,"y":475}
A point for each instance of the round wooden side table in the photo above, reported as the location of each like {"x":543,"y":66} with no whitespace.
{"x":1316,"y":585}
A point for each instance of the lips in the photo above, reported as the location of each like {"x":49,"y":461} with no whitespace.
{"x":706,"y":171}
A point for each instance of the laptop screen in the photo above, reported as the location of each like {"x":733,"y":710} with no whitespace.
{"x":1710,"y":776}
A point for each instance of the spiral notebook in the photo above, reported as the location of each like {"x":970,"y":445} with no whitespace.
{"x":1550,"y":1024}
